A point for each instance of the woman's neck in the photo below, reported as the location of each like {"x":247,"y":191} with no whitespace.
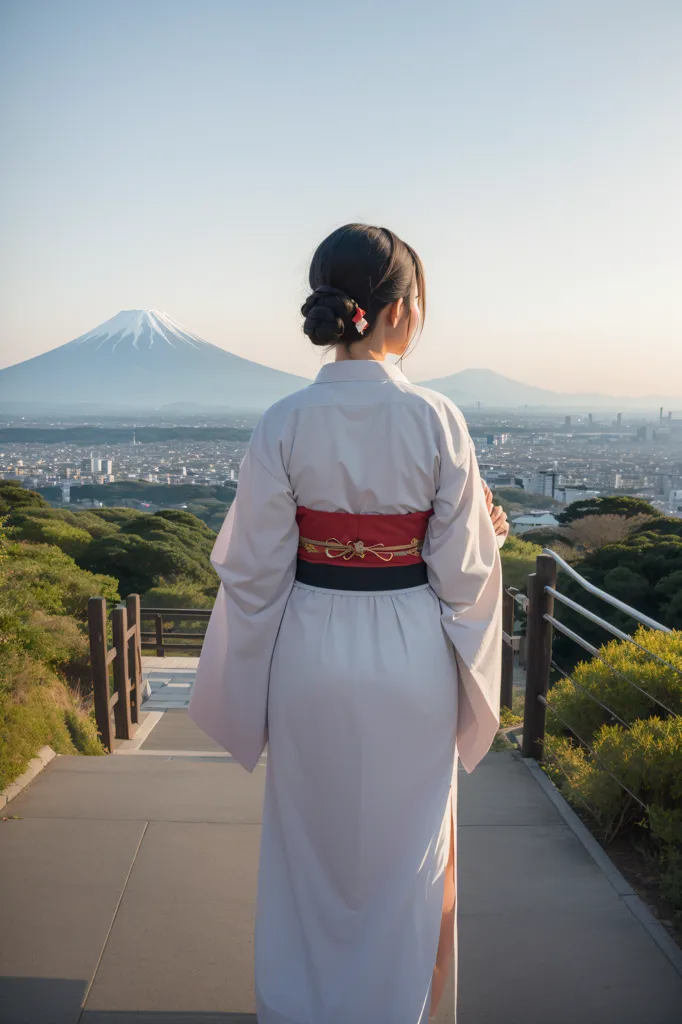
{"x":362,"y":350}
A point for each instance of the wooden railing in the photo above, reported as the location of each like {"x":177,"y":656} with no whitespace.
{"x":117,"y":670}
{"x":164,"y":642}
{"x":117,"y":713}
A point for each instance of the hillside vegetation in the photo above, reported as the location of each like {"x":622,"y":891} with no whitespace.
{"x":44,"y":673}
{"x":207,"y":502}
{"x":142,"y":551}
{"x":51,"y":562}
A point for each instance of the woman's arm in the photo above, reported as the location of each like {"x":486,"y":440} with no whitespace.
{"x":255,"y":559}
{"x":462,"y":556}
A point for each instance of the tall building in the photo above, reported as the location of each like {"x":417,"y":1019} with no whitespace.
{"x":543,"y":482}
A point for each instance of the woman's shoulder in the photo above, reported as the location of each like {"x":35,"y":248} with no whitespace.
{"x":447,"y":414}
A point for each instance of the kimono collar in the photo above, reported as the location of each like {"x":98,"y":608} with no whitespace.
{"x":359,"y":370}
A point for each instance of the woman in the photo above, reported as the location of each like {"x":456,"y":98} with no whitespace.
{"x":357,"y":632}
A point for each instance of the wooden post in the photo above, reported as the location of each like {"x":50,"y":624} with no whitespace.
{"x":134,"y":657}
{"x":97,"y":628}
{"x":158,"y":621}
{"x":538,"y":655}
{"x":124,"y":730}
{"x":507,"y":688}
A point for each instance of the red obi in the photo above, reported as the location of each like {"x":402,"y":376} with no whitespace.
{"x":368,"y":540}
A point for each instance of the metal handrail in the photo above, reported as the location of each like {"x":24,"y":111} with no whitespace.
{"x":586,"y":614}
{"x":613,"y":601}
{"x":586,"y":645}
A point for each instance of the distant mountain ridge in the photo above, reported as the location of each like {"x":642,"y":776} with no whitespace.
{"x":494,"y":390}
{"x":143,"y":359}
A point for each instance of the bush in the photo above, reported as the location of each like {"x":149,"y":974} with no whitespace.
{"x":42,"y":576}
{"x":594,"y":679}
{"x":593,"y":532}
{"x":616,"y":506}
{"x":518,"y":560}
{"x":38,"y":709}
{"x":44,"y":654}
{"x":642,"y":752}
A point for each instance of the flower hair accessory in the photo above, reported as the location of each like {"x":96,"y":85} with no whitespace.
{"x":361,"y":324}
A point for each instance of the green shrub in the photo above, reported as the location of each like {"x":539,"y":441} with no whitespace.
{"x":617,"y":505}
{"x":37,"y":709}
{"x":44,"y":654}
{"x":518,"y":560}
{"x":177,"y":595}
{"x":596,"y":679}
{"x":644,"y":754}
{"x":50,"y":580}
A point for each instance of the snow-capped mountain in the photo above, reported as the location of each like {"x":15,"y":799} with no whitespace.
{"x":143,"y":359}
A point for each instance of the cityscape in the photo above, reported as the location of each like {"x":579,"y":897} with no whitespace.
{"x":565,"y":458}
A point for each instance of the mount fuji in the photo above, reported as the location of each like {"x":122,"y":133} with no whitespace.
{"x":142,"y":359}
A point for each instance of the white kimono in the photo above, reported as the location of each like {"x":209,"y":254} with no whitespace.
{"x":364,"y":699}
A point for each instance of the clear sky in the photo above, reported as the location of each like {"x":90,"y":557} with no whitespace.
{"x":189,"y":156}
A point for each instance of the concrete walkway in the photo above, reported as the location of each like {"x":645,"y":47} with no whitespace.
{"x":128,"y":886}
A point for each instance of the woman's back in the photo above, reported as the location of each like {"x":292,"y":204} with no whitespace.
{"x":361,"y":439}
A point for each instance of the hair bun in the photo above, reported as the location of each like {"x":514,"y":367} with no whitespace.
{"x":328,"y":313}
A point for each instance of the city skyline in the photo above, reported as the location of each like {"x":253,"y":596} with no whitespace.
{"x":191,"y":159}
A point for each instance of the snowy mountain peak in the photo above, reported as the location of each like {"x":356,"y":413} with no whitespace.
{"x":143,"y":359}
{"x":141,"y":329}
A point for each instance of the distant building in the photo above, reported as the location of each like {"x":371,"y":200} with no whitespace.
{"x":675,"y":501}
{"x":567,"y":495}
{"x":543,"y":482}
{"x":532,"y":520}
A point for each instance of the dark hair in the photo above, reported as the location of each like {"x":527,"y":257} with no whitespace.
{"x":358,"y":265}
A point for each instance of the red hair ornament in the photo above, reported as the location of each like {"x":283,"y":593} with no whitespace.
{"x":361,"y":324}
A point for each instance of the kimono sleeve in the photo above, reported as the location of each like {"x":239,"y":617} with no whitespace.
{"x":464,"y":568}
{"x":255,"y":558}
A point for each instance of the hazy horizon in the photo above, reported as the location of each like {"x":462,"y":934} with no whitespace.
{"x":189,"y":158}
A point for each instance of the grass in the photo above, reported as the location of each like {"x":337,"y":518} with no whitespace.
{"x":38,"y":709}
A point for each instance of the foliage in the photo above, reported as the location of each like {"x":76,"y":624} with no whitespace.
{"x":157,"y":494}
{"x":42,"y":577}
{"x":165,"y":547}
{"x":43,"y":654}
{"x":13,"y":495}
{"x":606,"y":679}
{"x":589,"y":533}
{"x":518,"y":560}
{"x":644,"y":571}
{"x":642,"y":750}
{"x":177,"y":595}
{"x":139,"y":549}
{"x":515,"y":499}
{"x":548,"y":537}
{"x":616,"y":506}
{"x":92,"y":436}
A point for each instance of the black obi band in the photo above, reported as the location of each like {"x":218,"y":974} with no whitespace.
{"x":357,"y":577}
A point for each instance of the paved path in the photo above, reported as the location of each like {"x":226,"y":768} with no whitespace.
{"x":128,"y":887}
